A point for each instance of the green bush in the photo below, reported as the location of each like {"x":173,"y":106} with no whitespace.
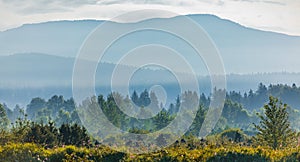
{"x":35,"y":153}
{"x":22,"y":152}
{"x":232,"y":156}
{"x":235,"y":135}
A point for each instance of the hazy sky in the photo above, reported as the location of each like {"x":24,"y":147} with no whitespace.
{"x":274,"y":15}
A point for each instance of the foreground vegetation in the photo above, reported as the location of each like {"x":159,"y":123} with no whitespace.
{"x":39,"y":138}
{"x":33,"y":152}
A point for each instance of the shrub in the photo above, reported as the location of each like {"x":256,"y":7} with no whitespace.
{"x":235,"y":135}
{"x":22,"y":152}
{"x":35,"y":153}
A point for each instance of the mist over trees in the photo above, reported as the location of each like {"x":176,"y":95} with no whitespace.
{"x":239,"y":109}
{"x":255,"y":99}
{"x":55,"y":122}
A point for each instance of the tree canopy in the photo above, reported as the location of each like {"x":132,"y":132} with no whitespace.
{"x":274,"y":128}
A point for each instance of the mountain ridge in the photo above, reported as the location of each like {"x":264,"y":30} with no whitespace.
{"x":188,"y":15}
{"x":239,"y":46}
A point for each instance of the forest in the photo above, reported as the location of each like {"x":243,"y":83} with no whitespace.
{"x":258,"y":125}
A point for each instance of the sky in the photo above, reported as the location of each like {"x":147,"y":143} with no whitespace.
{"x":272,"y":15}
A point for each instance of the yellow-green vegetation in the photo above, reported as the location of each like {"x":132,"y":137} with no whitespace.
{"x":273,"y":140}
{"x":33,"y":152}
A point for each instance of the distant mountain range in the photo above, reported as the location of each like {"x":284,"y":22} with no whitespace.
{"x":244,"y":50}
{"x":25,"y":76}
{"x":38,"y":59}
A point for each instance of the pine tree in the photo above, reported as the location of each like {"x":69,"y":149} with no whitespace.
{"x":162,"y":119}
{"x":197,"y":123}
{"x":274,"y":129}
{"x":144,"y":99}
{"x":65,"y":134}
{"x":46,"y":135}
{"x":135,"y":98}
{"x":154,"y":103}
{"x":177,"y":105}
{"x":4,"y":121}
{"x":34,"y":106}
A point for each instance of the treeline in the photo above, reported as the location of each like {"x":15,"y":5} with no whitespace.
{"x":44,"y":134}
{"x":274,"y":139}
{"x":239,"y":110}
{"x":39,"y":110}
{"x":256,"y":99}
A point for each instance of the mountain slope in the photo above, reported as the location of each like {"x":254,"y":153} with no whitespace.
{"x":244,"y":50}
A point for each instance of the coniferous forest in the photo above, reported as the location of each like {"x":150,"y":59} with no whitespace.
{"x":259,"y":125}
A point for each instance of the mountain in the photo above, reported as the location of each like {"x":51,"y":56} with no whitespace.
{"x":30,"y":75}
{"x":38,"y":59}
{"x":62,"y":38}
{"x":243,"y":50}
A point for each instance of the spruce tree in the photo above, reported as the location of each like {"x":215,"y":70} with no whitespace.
{"x":274,"y":128}
{"x":4,"y":121}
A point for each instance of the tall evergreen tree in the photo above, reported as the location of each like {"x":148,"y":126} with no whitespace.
{"x":197,"y":123}
{"x":274,"y":129}
{"x":35,"y":105}
{"x":46,"y":135}
{"x":135,"y":98}
{"x":9,"y":112}
{"x":63,"y":117}
{"x":162,"y":119}
{"x":73,"y":135}
{"x":154,"y":103}
{"x":144,"y":99}
{"x":174,"y":108}
{"x":65,"y":134}
{"x":4,"y":121}
{"x":17,"y":113}
{"x":55,"y":103}
{"x":69,"y":105}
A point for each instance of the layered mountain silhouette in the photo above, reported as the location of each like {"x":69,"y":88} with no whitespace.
{"x":243,"y":50}
{"x":38,"y":59}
